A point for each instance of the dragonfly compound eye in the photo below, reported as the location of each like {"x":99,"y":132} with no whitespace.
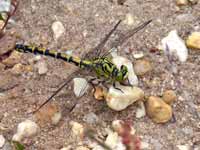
{"x":124,"y":71}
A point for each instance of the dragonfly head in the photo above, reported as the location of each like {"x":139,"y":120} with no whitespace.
{"x":123,"y":73}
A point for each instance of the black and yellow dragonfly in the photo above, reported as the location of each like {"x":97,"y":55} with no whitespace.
{"x":101,"y":65}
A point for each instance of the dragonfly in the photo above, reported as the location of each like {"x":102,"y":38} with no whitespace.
{"x":100,"y":64}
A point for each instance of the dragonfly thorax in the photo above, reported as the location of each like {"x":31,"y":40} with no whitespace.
{"x":105,"y":68}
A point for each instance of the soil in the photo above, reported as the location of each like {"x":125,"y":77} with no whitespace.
{"x":86,"y":23}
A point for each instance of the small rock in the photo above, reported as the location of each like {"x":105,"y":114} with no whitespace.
{"x":173,"y":45}
{"x":80,"y":86}
{"x":13,"y":59}
{"x":193,"y":40}
{"x":169,"y":96}
{"x":58,"y":29}
{"x":183,"y":147}
{"x":7,"y":42}
{"x":67,"y":148}
{"x":91,"y":118}
{"x":142,"y":67}
{"x":193,"y":2}
{"x":77,"y":129}
{"x":129,"y":20}
{"x":82,"y":148}
{"x":42,"y":67}
{"x":145,"y":145}
{"x":119,"y":126}
{"x":99,"y":93}
{"x":7,"y":146}
{"x":1,"y":24}
{"x":118,"y":100}
{"x":181,"y":2}
{"x":25,"y":129}
{"x":19,"y":69}
{"x":158,"y":110}
{"x":2,"y":141}
{"x":114,"y":141}
{"x":119,"y":61}
{"x":138,"y":55}
{"x":49,"y":114}
{"x":140,"y":112}
{"x":5,"y":6}
{"x":2,"y":67}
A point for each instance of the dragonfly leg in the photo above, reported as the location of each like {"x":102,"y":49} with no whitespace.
{"x":126,"y":84}
{"x":114,"y":85}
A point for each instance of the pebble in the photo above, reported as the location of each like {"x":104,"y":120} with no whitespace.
{"x":118,"y":100}
{"x":99,"y":93}
{"x":80,"y":86}
{"x":82,"y":148}
{"x":142,"y":67}
{"x":169,"y":96}
{"x":5,"y":6}
{"x":2,"y":141}
{"x":42,"y":67}
{"x":77,"y":129}
{"x":49,"y":114}
{"x":193,"y":2}
{"x":129,"y":20}
{"x":158,"y":110}
{"x":181,"y":2}
{"x":145,"y":145}
{"x":140,"y":112}
{"x":118,"y":126}
{"x":2,"y":67}
{"x":25,"y":129}
{"x":193,"y":41}
{"x":1,"y":24}
{"x":173,"y":45}
{"x":91,"y":118}
{"x":183,"y":147}
{"x":13,"y":59}
{"x":114,"y":141}
{"x":138,"y":55}
{"x":58,"y":29}
{"x":19,"y":69}
{"x":119,"y":61}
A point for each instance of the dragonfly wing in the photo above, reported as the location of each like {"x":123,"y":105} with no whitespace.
{"x":96,"y":51}
{"x":127,"y":35}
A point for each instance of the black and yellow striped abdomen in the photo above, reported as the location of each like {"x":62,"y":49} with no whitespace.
{"x":102,"y":66}
{"x":53,"y":53}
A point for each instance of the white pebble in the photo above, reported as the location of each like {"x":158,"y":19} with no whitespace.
{"x":77,"y":128}
{"x":129,"y":20}
{"x":114,"y":141}
{"x":27,"y":128}
{"x":183,"y":147}
{"x":5,"y":6}
{"x":145,"y":145}
{"x":118,"y":100}
{"x":80,"y":86}
{"x":56,"y":118}
{"x":42,"y":67}
{"x":172,"y":44}
{"x":2,"y":141}
{"x":119,"y":61}
{"x":140,"y":112}
{"x":58,"y":29}
{"x":138,"y":55}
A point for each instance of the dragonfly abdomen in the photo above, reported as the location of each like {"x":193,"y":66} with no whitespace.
{"x":53,"y":53}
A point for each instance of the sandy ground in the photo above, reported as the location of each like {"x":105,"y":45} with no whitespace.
{"x":86,"y":22}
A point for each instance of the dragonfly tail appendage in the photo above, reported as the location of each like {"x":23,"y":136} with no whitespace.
{"x":53,"y":53}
